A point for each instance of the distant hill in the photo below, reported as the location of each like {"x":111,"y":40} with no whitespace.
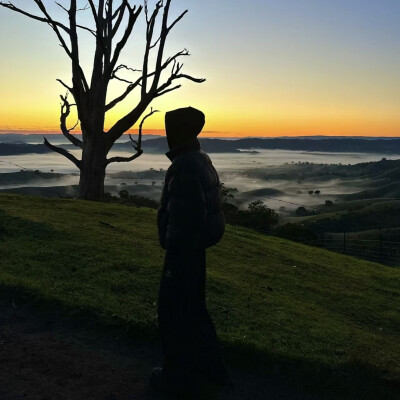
{"x":27,"y":177}
{"x":159,"y":145}
{"x":384,"y":146}
{"x":12,"y":149}
{"x":36,"y":138}
{"x":371,"y":174}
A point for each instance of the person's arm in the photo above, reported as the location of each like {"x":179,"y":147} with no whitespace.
{"x":187,"y":211}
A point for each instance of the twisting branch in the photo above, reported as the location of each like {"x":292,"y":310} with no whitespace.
{"x":93,"y":8}
{"x":175,"y":74}
{"x":137,"y":145}
{"x":120,"y":13}
{"x":63,"y":152}
{"x":122,"y":66}
{"x":85,"y":28}
{"x":65,"y":85}
{"x":50,"y":21}
{"x":134,"y":85}
{"x":163,"y":38}
{"x":61,"y":6}
{"x":86,"y":7}
{"x":133,"y":16}
{"x":65,"y":111}
{"x":149,"y":38}
{"x":77,"y":70}
{"x":118,"y":10}
{"x":168,"y":90}
{"x":78,"y":9}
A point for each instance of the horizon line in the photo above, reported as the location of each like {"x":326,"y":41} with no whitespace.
{"x":204,"y":134}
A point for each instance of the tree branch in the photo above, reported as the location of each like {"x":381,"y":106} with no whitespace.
{"x":168,"y":90}
{"x":63,"y":152}
{"x":77,"y":70}
{"x":65,"y":85}
{"x":149,"y":37}
{"x":94,"y":12}
{"x":108,"y":28}
{"x":175,"y":74}
{"x":61,"y":6}
{"x":137,"y":145}
{"x":50,"y":21}
{"x":120,"y":13}
{"x":131,"y":118}
{"x":55,"y":25}
{"x":128,"y":90}
{"x":124,"y":159}
{"x":137,"y":83}
{"x":160,"y":54}
{"x":83,"y":8}
{"x":177,"y":20}
{"x":122,"y":66}
{"x":65,"y":111}
{"x":133,"y":16}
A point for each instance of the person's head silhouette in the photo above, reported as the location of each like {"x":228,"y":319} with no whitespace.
{"x":183,"y":125}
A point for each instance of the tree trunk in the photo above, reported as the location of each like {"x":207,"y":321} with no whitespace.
{"x":93,"y":169}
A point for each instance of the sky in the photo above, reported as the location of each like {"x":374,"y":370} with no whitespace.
{"x":272,"y":68}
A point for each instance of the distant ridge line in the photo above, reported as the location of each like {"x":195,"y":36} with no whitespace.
{"x":358,"y":145}
{"x":383,"y":146}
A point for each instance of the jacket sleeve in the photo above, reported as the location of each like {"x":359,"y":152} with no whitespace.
{"x":187,"y":211}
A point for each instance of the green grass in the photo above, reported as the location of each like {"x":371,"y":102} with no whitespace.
{"x":331,"y":323}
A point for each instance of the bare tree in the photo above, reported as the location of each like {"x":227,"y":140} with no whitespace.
{"x":90,"y":97}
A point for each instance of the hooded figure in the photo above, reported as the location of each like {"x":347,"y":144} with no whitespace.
{"x":183,"y":125}
{"x":189,"y":220}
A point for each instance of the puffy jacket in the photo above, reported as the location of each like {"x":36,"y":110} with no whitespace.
{"x":190,"y":215}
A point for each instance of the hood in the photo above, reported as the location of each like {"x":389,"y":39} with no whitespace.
{"x":183,"y":125}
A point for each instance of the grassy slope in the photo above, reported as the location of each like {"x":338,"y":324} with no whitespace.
{"x":333,"y":319}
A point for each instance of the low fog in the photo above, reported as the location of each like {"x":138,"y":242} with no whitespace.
{"x":243,"y":171}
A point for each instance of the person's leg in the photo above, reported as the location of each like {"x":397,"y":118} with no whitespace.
{"x":210,"y":355}
{"x":176,"y":317}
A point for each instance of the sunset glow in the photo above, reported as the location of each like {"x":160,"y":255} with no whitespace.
{"x":273,"y":68}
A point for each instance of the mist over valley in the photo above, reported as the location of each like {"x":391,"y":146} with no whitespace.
{"x":272,"y":175}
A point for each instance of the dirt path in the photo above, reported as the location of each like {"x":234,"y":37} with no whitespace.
{"x":44,"y":357}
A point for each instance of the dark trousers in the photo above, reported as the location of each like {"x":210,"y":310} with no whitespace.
{"x":187,"y":332}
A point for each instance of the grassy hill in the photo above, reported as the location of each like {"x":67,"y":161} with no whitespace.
{"x":329,"y":323}
{"x":359,"y":216}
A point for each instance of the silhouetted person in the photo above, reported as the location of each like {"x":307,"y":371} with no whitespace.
{"x":189,"y":220}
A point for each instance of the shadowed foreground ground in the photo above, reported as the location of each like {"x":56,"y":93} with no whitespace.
{"x":45,"y":356}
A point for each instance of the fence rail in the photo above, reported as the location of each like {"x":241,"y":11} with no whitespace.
{"x":379,"y":250}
